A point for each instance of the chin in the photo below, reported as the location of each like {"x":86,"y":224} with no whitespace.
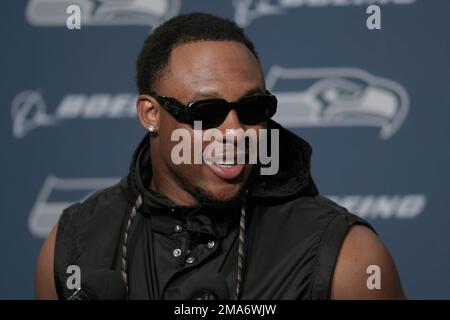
{"x":224,"y":192}
{"x":218,"y":194}
{"x":222,"y":189}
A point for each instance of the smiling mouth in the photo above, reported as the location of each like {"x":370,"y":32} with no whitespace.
{"x":227,"y":168}
{"x":226,"y":171}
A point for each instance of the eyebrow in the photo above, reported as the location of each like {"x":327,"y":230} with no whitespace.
{"x":215,"y":94}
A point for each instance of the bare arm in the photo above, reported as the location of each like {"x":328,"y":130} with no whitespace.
{"x":45,"y":288}
{"x":360,"y":249}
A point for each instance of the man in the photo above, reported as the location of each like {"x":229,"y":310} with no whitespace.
{"x":270,"y":236}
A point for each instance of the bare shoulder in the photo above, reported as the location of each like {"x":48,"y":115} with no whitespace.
{"x":44,"y":279}
{"x":365,"y":269}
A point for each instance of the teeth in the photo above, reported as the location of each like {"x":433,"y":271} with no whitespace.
{"x":225,"y":163}
{"x":221,"y":162}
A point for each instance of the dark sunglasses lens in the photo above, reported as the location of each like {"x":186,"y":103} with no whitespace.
{"x":257,"y":109}
{"x":211,"y":112}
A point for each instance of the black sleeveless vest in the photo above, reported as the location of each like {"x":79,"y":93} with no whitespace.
{"x":292,"y":239}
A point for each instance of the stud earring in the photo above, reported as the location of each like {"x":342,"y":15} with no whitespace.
{"x":152,"y":129}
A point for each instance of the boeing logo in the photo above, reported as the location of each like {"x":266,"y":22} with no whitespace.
{"x":408,"y":206}
{"x":29,"y":110}
{"x":248,"y":10}
{"x":338,"y":97}
{"x":52,"y":13}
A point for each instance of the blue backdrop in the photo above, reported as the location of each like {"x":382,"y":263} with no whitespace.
{"x":374,"y":104}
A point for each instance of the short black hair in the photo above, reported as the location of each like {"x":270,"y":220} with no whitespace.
{"x":192,"y":27}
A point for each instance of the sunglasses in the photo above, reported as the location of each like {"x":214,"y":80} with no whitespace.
{"x":251,"y":110}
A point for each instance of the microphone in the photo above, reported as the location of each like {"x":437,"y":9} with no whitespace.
{"x":101,"y":285}
{"x":210,"y":286}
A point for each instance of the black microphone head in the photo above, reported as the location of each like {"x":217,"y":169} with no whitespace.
{"x":103,"y":285}
{"x":209,"y":286}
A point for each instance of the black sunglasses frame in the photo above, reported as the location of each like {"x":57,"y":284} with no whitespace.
{"x":183,"y":113}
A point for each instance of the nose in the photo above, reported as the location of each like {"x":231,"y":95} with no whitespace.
{"x":232,"y":128}
{"x":231,"y":122}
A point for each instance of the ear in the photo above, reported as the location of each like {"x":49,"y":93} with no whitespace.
{"x":148,"y":111}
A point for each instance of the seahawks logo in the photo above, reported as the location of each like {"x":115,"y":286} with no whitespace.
{"x":338,"y":97}
{"x":52,"y":13}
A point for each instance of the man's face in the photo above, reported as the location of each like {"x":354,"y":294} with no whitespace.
{"x":202,"y":70}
